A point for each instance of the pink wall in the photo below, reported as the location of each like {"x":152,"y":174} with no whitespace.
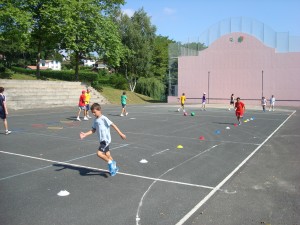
{"x":236,"y":67}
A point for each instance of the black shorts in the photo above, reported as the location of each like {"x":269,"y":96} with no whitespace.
{"x":231,"y":103}
{"x":2,"y":114}
{"x":104,"y":147}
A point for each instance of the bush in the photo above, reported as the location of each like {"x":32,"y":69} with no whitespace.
{"x":151,"y":87}
{"x":118,"y":81}
{"x":5,"y":73}
{"x":67,"y":75}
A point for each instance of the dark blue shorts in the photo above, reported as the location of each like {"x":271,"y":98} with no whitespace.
{"x":123,"y":105}
{"x":2,"y":114}
{"x":104,"y":147}
{"x":87,"y":107}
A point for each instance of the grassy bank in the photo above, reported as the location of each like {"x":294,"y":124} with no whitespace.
{"x":113,"y":95}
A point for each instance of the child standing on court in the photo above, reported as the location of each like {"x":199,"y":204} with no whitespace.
{"x":87,"y":102}
{"x":3,"y":110}
{"x":239,"y":109}
{"x":123,"y":103}
{"x":272,"y":103}
{"x":263,"y":103}
{"x":203,"y":101}
{"x":182,"y":101}
{"x":102,"y":126}
{"x":231,"y":103}
{"x":81,"y":106}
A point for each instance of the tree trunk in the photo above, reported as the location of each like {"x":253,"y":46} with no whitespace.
{"x":38,"y":60}
{"x":76,"y":65}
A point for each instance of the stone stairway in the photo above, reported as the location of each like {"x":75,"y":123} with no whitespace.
{"x":27,"y":94}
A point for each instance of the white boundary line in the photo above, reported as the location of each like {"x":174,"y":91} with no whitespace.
{"x":137,"y":218}
{"x":210,"y":194}
{"x":47,"y":160}
{"x":93,"y":168}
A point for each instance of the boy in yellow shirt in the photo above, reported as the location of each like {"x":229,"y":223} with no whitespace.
{"x":182,"y":101}
{"x":87,"y":103}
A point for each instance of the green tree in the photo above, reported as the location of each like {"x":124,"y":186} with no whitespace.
{"x":138,"y":36}
{"x":87,"y":27}
{"x":14,"y":26}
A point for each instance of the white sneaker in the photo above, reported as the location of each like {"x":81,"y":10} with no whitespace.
{"x":7,"y":132}
{"x":85,"y":118}
{"x":126,"y":114}
{"x":89,"y":117}
{"x":229,"y":109}
{"x":78,"y":119}
{"x":121,"y":115}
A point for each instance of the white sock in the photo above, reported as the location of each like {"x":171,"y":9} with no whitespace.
{"x":109,"y":162}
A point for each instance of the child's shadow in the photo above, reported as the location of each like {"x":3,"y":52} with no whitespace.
{"x":83,"y":171}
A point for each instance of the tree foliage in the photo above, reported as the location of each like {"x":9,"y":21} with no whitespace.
{"x":151,"y":87}
{"x":78,"y":26}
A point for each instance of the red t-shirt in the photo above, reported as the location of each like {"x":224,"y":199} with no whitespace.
{"x":239,"y":107}
{"x":81,"y":100}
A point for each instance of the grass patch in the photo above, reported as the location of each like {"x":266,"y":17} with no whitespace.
{"x":20,"y":76}
{"x":114,"y":96}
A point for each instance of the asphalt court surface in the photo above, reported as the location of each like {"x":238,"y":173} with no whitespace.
{"x":44,"y":156}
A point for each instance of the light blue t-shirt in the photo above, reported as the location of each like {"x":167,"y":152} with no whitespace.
{"x":102,"y":127}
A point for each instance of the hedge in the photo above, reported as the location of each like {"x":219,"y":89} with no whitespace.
{"x":67,"y":75}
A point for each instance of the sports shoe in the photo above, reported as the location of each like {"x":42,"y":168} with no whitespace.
{"x":126,"y":114}
{"x":7,"y":132}
{"x":114,"y":172}
{"x":110,"y":168}
{"x":89,"y":117}
{"x":85,"y":118}
{"x":239,"y":123}
{"x":121,"y":115}
{"x":78,"y":119}
{"x":114,"y":164}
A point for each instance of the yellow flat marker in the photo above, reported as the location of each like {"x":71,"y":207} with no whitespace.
{"x":68,"y":121}
{"x":179,"y":146}
{"x":55,"y":128}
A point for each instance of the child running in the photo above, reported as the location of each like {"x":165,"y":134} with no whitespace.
{"x":272,"y":103}
{"x":81,"y":106}
{"x":231,"y":103}
{"x":3,"y":110}
{"x":123,"y":103}
{"x":263,"y":103}
{"x":182,"y":101}
{"x":102,"y":126}
{"x":203,"y":101}
{"x":239,"y":109}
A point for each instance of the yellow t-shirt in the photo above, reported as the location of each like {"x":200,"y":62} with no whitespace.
{"x":182,"y":99}
{"x":87,"y":98}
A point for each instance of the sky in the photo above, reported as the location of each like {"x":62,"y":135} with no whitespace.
{"x":184,"y":20}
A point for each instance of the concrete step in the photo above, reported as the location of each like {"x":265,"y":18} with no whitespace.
{"x":25,"y":94}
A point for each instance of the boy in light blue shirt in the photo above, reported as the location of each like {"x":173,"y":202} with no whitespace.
{"x":102,"y":126}
{"x":123,"y":103}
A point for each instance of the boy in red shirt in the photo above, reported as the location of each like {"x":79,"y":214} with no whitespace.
{"x":81,"y":106}
{"x":239,"y":109}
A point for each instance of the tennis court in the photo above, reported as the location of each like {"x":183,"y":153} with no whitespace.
{"x":221,"y":175}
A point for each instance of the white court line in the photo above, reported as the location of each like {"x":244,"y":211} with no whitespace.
{"x":96,"y":169}
{"x":137,"y":217}
{"x":47,"y":160}
{"x":160,"y":152}
{"x":210,"y":194}
{"x":168,"y":136}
